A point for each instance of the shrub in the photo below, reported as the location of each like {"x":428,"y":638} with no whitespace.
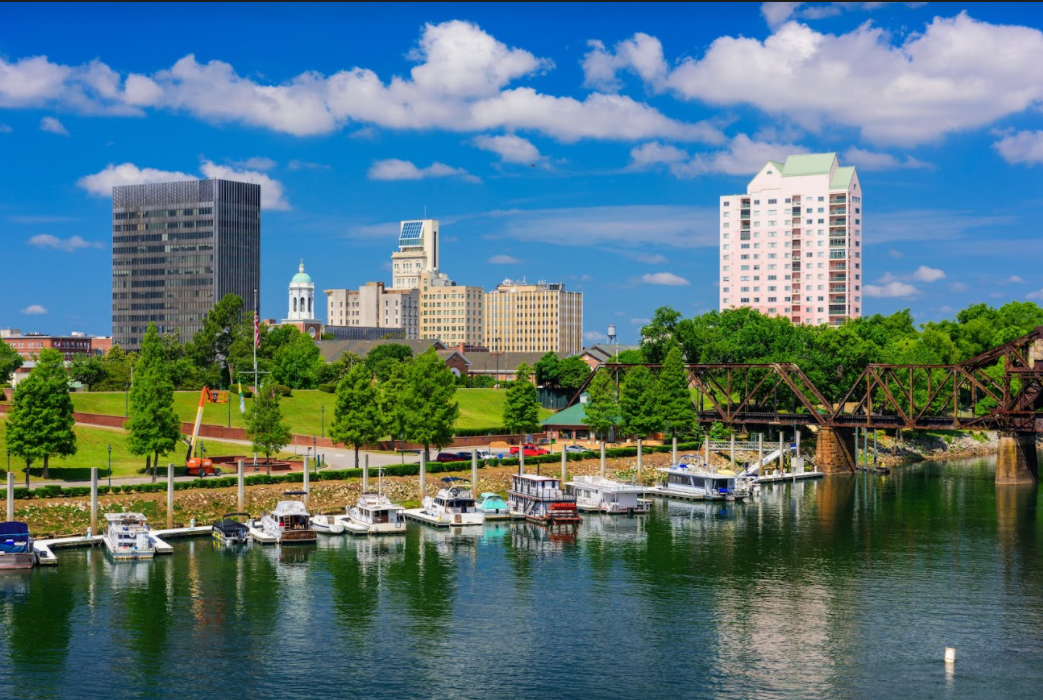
{"x":283,"y":390}
{"x":329,"y":388}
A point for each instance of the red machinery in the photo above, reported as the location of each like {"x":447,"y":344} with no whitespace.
{"x":201,"y":466}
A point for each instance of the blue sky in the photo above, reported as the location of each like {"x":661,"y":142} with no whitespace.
{"x":566,"y":142}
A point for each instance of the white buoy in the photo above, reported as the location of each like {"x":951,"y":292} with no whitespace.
{"x":950,"y":655}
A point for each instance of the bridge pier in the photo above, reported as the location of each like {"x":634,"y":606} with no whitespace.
{"x":1016,"y":459}
{"x":835,"y":452}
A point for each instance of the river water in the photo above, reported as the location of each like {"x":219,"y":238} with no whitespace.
{"x":842,"y":588}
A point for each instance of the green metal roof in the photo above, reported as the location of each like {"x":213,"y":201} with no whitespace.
{"x":808,"y":164}
{"x":778,"y":166}
{"x":841,"y":179}
{"x":573,"y":415}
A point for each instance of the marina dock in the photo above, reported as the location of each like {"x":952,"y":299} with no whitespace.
{"x":45,"y":548}
{"x":261,"y":537}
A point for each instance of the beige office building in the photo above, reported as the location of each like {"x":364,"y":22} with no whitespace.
{"x":374,"y":306}
{"x":417,"y":253}
{"x":539,"y":317}
{"x":450,"y":312}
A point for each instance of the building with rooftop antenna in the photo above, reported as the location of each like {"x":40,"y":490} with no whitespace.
{"x":792,"y":245}
{"x":417,"y":253}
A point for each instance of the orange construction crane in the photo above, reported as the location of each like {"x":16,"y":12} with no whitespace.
{"x":196,"y":466}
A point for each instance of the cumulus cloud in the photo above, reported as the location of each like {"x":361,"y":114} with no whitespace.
{"x":510,"y":148}
{"x":503,"y":260}
{"x":891,"y":290}
{"x":256,"y":163}
{"x":643,"y":54}
{"x":1021,"y":147}
{"x":101,"y":183}
{"x":1013,"y":279}
{"x":870,"y":160}
{"x":1035,"y":295}
{"x":461,"y":81}
{"x":928,"y":274}
{"x":640,"y":321}
{"x":34,"y":310}
{"x":395,"y":169}
{"x":668,"y":279}
{"x":595,"y":337}
{"x":69,"y":245}
{"x":959,"y":287}
{"x":305,"y":165}
{"x":956,"y":74}
{"x":743,"y":156}
{"x":896,"y":254}
{"x":53,"y":126}
{"x":775,"y":13}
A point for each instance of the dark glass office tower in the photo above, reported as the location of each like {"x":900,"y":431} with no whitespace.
{"x":177,"y":248}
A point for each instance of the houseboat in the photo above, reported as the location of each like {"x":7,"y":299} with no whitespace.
{"x":541,"y":500}
{"x":374,"y":514}
{"x":16,"y":546}
{"x":232,"y":529}
{"x":453,"y":505}
{"x":127,"y":537}
{"x":289,"y":523}
{"x":599,"y":495}
{"x":494,"y":507}
{"x":689,"y":479}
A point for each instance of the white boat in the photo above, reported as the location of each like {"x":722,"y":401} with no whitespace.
{"x":540,"y":499}
{"x":494,"y":507}
{"x":16,"y":546}
{"x":374,"y":514}
{"x":289,"y":523}
{"x":327,"y":524}
{"x":690,"y":479}
{"x":453,"y":505}
{"x":599,"y":495}
{"x":127,"y":537}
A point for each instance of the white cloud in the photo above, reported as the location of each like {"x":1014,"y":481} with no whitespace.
{"x":668,"y":279}
{"x":53,"y":126}
{"x":503,"y":260}
{"x":305,"y":165}
{"x":896,"y":254}
{"x":461,"y":81}
{"x":34,"y":310}
{"x":1035,"y":295}
{"x":1013,"y":279}
{"x":933,"y":225}
{"x":256,"y":163}
{"x":643,"y":54}
{"x":395,"y":169}
{"x":1021,"y":147}
{"x":69,"y":245}
{"x":640,"y":321}
{"x":510,"y":148}
{"x":5,"y":129}
{"x":892,"y":290}
{"x":959,"y":287}
{"x":101,"y":183}
{"x":869,"y":160}
{"x":928,"y":274}
{"x":957,"y":74}
{"x":595,"y":337}
{"x":775,"y":13}
{"x":743,"y":156}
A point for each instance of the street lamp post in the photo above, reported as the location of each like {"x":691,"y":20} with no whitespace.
{"x":323,"y":420}
{"x":110,"y":467}
{"x":126,"y":399}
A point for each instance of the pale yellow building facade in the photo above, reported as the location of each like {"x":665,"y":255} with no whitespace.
{"x":540,"y":317}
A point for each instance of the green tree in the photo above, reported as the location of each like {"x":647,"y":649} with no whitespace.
{"x":223,"y":324}
{"x":572,"y":372}
{"x":639,"y":403}
{"x":40,"y":422}
{"x":154,"y":427}
{"x":658,"y":336}
{"x":334,"y":371}
{"x":521,"y":408}
{"x":298,"y":363}
{"x":10,"y":360}
{"x":675,"y":401}
{"x":427,"y":408}
{"x":601,"y":408}
{"x":547,"y":370}
{"x":88,"y":370}
{"x":357,"y":419}
{"x":392,"y":396}
{"x":118,"y":368}
{"x":265,"y":426}
{"x":383,"y":358}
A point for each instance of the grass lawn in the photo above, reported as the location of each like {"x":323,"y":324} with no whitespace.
{"x":92,"y":451}
{"x":479,"y":408}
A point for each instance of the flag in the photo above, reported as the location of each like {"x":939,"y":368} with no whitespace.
{"x":242,"y":401}
{"x":257,"y":330}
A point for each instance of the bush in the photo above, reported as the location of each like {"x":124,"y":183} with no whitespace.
{"x":477,"y":432}
{"x":329,"y":388}
{"x":283,"y":390}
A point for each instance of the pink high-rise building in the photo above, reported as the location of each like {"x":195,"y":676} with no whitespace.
{"x":792,"y":245}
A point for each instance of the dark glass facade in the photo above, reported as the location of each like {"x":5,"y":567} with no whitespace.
{"x":177,"y":248}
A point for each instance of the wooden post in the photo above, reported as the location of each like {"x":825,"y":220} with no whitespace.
{"x":602,"y":459}
{"x":564,"y":459}
{"x":760,"y":453}
{"x":474,"y":473}
{"x":170,"y":496}
{"x":423,"y":477}
{"x":782,"y":450}
{"x":874,"y":447}
{"x":94,"y":501}
{"x":365,"y":472}
{"x":521,"y":458}
{"x":307,"y":483}
{"x":673,"y":451}
{"x":856,"y":448}
{"x":10,"y":496}
{"x":733,"y":450}
{"x":240,"y":496}
{"x":865,"y":448}
{"x":706,"y":451}
{"x":639,"y":460}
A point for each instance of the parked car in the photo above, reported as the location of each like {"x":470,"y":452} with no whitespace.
{"x":575,"y":449}
{"x":449,"y":457}
{"x":530,"y":450}
{"x":484,"y":453}
{"x":464,"y":456}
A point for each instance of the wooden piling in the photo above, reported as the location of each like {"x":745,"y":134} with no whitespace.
{"x":423,"y":477}
{"x":760,"y":453}
{"x":240,"y":496}
{"x":10,"y":496}
{"x":564,"y":461}
{"x":94,"y":501}
{"x":170,"y":496}
{"x":673,"y":451}
{"x":639,"y":460}
{"x":521,"y":458}
{"x":365,"y":472}
{"x":602,"y":459}
{"x":733,"y":450}
{"x":307,"y":483}
{"x":474,"y":473}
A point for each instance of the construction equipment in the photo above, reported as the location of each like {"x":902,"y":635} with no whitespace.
{"x":201,"y":466}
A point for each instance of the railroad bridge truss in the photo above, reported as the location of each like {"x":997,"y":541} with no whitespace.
{"x":1001,"y":390}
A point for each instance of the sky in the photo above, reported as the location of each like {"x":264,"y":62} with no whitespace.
{"x":574,"y":143}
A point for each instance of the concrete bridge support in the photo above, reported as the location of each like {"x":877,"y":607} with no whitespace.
{"x":835,"y":452}
{"x":1016,"y":459}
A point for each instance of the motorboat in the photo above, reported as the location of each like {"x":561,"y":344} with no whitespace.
{"x":16,"y":546}
{"x":127,"y":537}
{"x":540,"y":499}
{"x":691,"y":479}
{"x":599,"y":495}
{"x":453,"y":505}
{"x":494,"y":507}
{"x":232,"y":528}
{"x":374,"y":514}
{"x":290,"y":522}
{"x":327,"y":524}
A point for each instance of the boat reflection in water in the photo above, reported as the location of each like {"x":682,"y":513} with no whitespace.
{"x":538,"y":539}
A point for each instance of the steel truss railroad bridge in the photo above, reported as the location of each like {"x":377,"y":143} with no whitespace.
{"x":1001,"y":389}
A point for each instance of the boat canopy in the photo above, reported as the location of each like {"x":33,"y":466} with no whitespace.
{"x":14,"y":528}
{"x":451,"y":479}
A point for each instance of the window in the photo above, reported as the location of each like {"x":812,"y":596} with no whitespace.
{"x":726,"y":214}
{"x":725,"y":204}
{"x":773,"y":201}
{"x":756,"y":201}
{"x":820,"y":199}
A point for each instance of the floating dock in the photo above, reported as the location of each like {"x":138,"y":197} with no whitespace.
{"x":779,"y":478}
{"x":420,"y":516}
{"x":45,"y":548}
{"x":261,"y":537}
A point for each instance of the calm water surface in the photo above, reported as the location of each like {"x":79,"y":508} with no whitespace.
{"x":844,"y":588}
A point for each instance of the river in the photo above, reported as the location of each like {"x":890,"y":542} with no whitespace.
{"x":842,"y":588}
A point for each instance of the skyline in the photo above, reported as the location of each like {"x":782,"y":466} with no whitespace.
{"x":543,"y":155}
